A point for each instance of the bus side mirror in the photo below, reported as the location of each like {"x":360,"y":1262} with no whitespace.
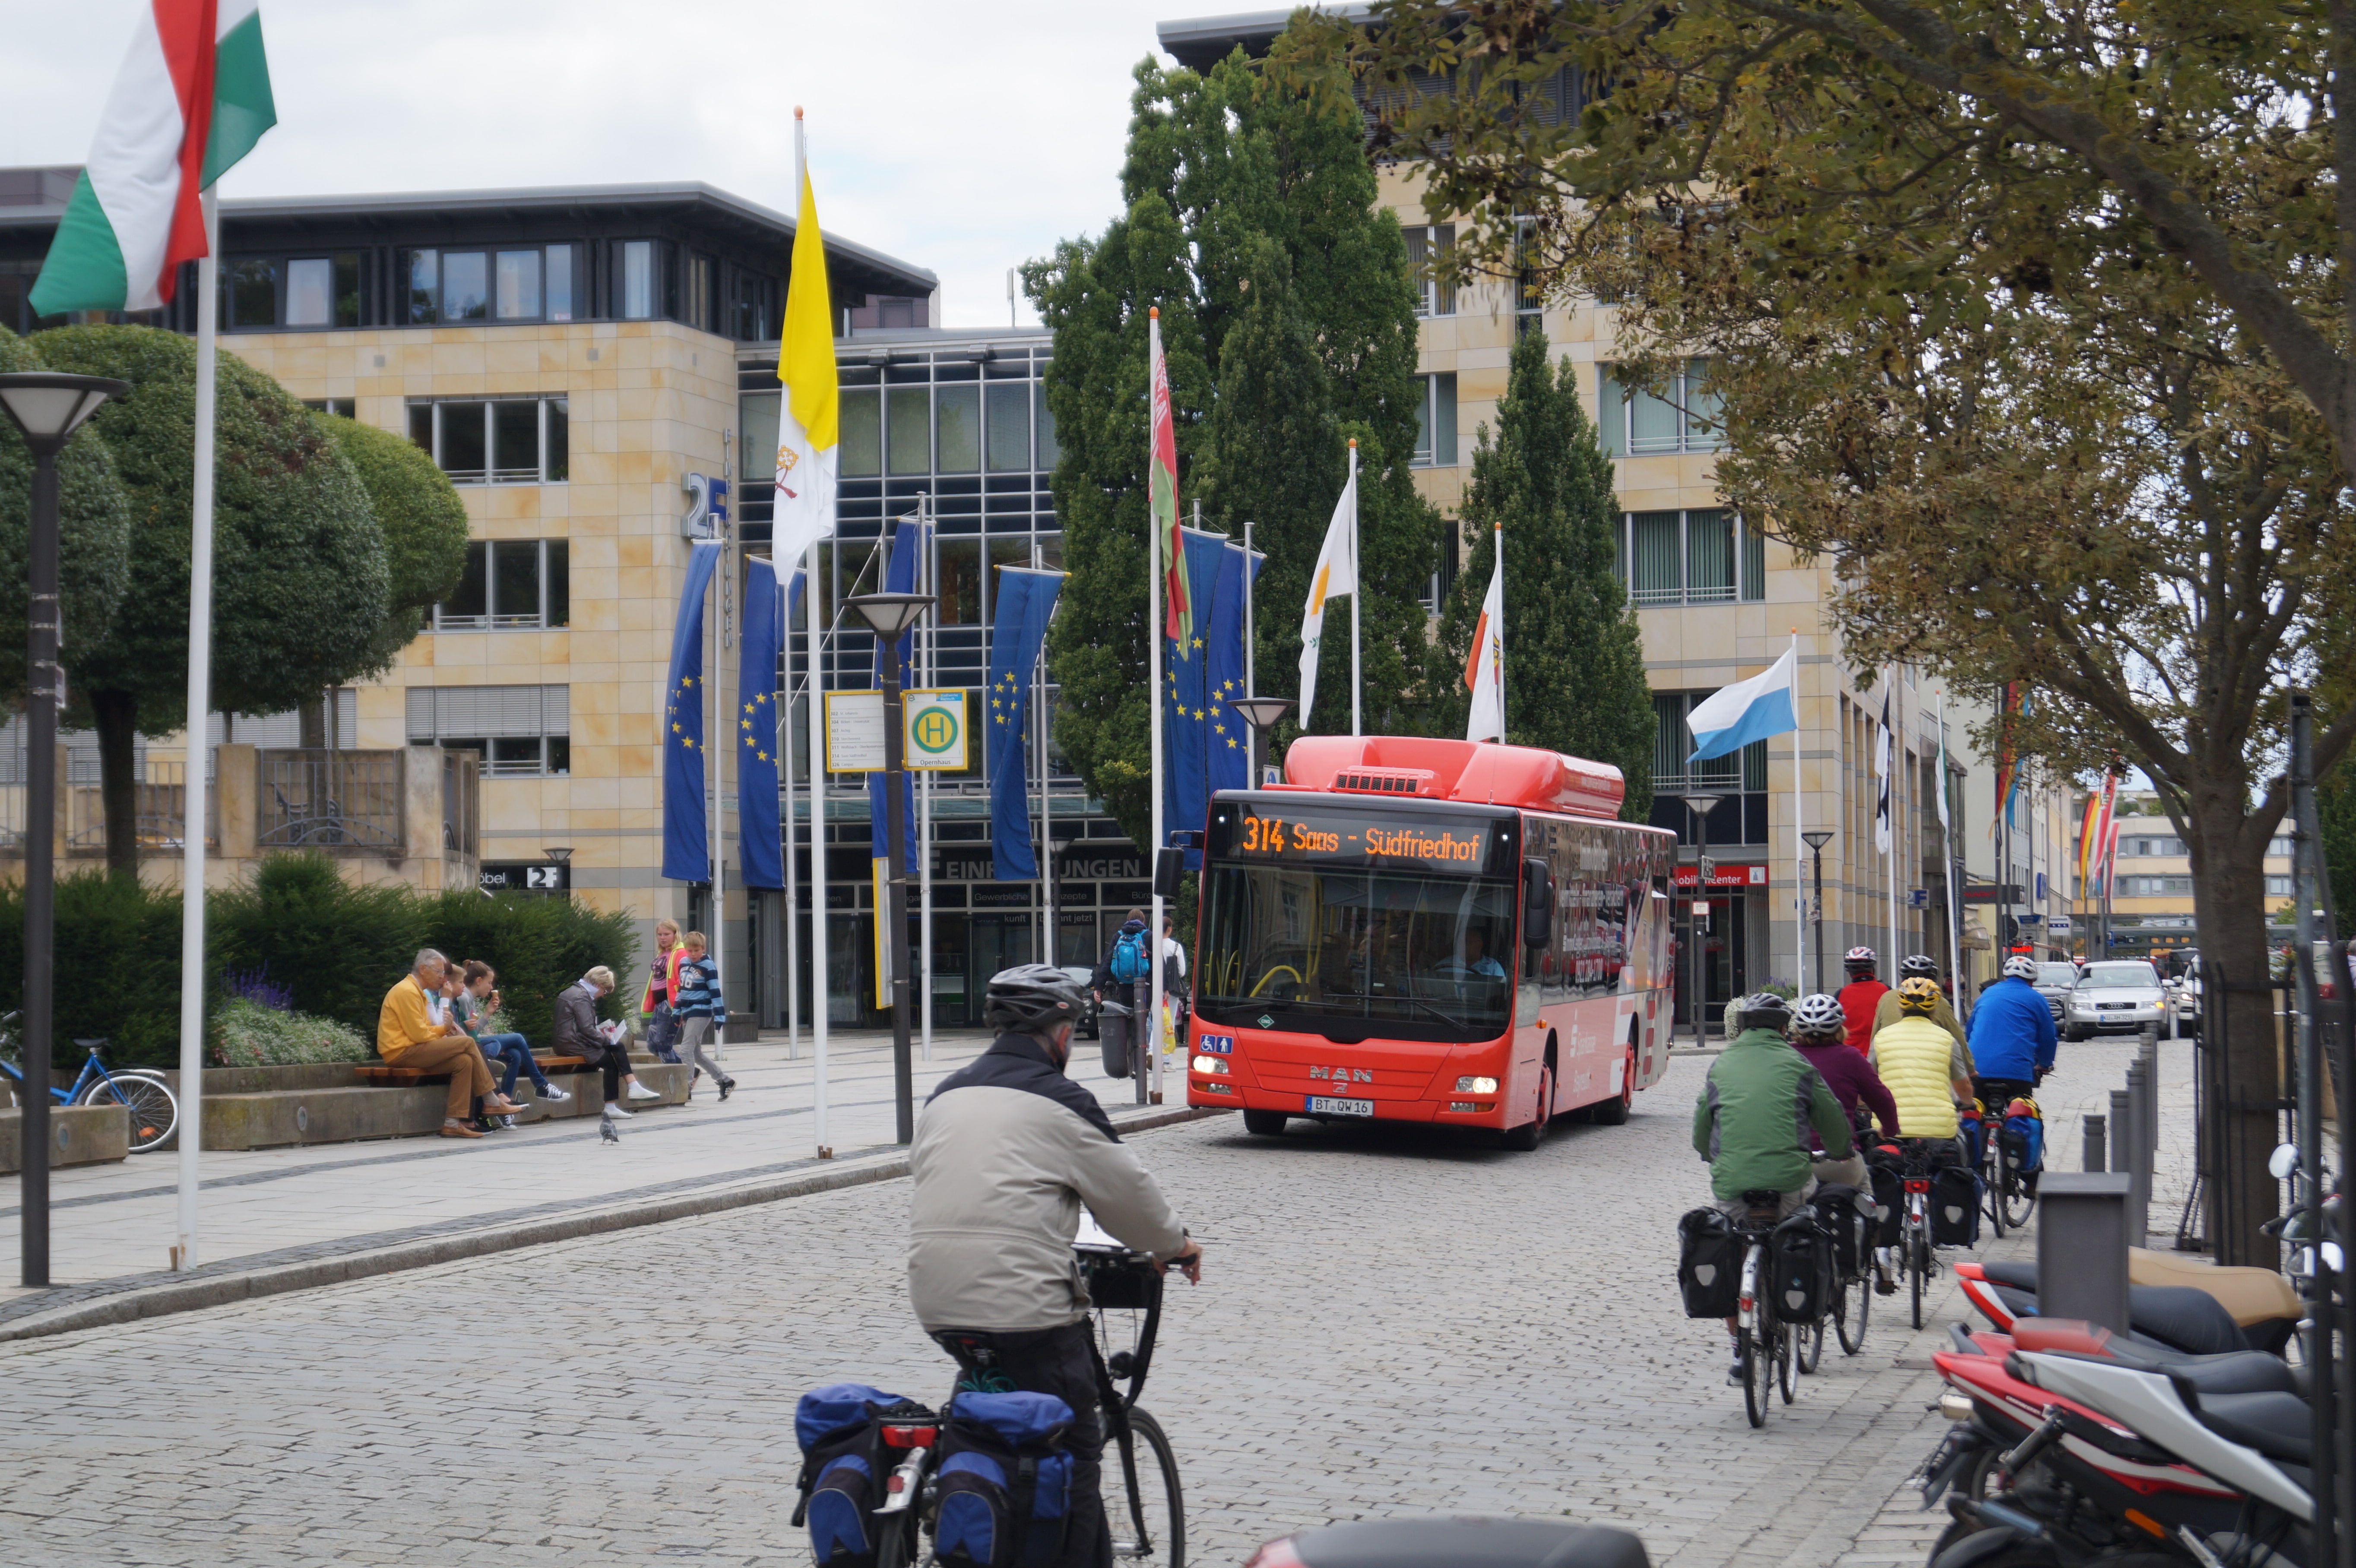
{"x":1169,"y":867}
{"x":1538,"y":903}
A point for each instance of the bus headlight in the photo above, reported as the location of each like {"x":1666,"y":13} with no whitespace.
{"x":1209,"y":1064}
{"x":1476,"y":1086}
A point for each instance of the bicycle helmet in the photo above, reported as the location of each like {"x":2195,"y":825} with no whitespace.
{"x":1765,"y":1010}
{"x":1860,"y":958}
{"x":1032,"y":998}
{"x":2019,"y":968}
{"x":1917,"y":995}
{"x":1820,"y":1017}
{"x":1920,"y":964}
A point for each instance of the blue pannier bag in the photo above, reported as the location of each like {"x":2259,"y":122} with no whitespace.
{"x":1970,"y":1129}
{"x":1004,"y":1481}
{"x":2024,"y":1142}
{"x":844,"y":1465}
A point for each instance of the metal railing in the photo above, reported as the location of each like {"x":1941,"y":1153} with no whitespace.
{"x":159,"y":811}
{"x":347,"y":802}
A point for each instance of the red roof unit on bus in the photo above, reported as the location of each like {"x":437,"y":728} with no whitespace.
{"x":1476,"y":771}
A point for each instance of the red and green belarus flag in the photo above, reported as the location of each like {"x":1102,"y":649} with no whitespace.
{"x":1162,"y":498}
{"x":192,"y":98}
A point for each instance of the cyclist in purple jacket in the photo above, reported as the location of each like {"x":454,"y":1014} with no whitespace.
{"x":1819,"y":1034}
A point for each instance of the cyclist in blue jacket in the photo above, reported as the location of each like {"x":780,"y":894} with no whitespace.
{"x":2011,"y":1033}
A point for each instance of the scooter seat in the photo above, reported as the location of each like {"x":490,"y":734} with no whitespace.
{"x":2276,"y":1424}
{"x":2178,"y":1315}
{"x":2233,"y":1372}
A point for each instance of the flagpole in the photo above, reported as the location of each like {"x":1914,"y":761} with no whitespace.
{"x":1144,"y":1031}
{"x":811,"y":602}
{"x":783,"y":718}
{"x":723,"y":581}
{"x":1799,"y":832}
{"x":1358,"y":591}
{"x":1947,"y":853}
{"x":1890,"y":856}
{"x":1499,"y":669}
{"x":200,"y":703}
{"x":930,"y":641}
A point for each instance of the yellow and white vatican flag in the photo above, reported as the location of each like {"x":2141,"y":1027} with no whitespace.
{"x":807,"y":432}
{"x":1336,"y":573}
{"x":1484,"y":666}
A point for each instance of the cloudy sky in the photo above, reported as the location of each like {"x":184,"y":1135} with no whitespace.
{"x":964,"y":137}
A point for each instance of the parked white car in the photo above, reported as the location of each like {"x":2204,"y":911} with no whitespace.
{"x":2115,"y":996}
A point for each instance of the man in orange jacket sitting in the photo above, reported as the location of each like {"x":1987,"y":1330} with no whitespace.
{"x":412,"y":1030}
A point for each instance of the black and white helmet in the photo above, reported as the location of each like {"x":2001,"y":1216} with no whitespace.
{"x":2020,"y":968}
{"x":1918,"y":964}
{"x":1032,"y":998}
{"x":1817,"y":1016}
{"x":1764,"y":1009}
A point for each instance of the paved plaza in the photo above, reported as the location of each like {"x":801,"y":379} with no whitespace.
{"x":1389,"y":1322}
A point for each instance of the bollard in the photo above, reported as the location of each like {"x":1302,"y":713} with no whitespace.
{"x":2125,"y":1125}
{"x":2094,"y":1145}
{"x":2139,"y":1110}
{"x":2084,"y":1224}
{"x":2149,"y":1054}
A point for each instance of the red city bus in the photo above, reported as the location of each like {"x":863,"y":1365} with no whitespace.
{"x":1420,"y":930}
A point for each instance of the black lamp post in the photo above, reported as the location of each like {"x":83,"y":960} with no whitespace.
{"x":48,"y":408}
{"x":891,"y":615}
{"x":1701,"y":806}
{"x":1261,"y":713}
{"x":1816,"y":839}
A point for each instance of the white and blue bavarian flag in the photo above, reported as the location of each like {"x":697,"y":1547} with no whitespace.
{"x":1732,"y":716}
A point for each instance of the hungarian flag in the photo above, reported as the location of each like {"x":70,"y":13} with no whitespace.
{"x":1162,"y":498}
{"x":192,"y":98}
{"x":1485,"y":666}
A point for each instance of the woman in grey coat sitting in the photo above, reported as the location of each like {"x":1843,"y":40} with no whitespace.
{"x":577,"y":1034}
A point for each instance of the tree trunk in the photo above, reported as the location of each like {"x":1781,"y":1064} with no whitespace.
{"x":312,"y":714}
{"x":118,"y":785}
{"x":2243,"y":1088}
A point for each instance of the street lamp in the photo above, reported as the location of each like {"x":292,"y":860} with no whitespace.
{"x":48,"y":408}
{"x":1261,"y":713}
{"x":893,"y":615}
{"x":1816,"y":838}
{"x":1701,"y":806}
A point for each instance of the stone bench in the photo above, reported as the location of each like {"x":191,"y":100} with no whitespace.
{"x":386,"y":1073}
{"x":354,"y":1110}
{"x":79,"y":1134}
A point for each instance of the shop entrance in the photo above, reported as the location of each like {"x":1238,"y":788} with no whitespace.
{"x":1725,"y":974}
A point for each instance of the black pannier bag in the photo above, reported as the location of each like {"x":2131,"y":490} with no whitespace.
{"x":1889,"y":1192}
{"x":1843,"y":1209}
{"x":1800,"y":1264}
{"x":1709,"y":1264}
{"x":1954,"y":1207}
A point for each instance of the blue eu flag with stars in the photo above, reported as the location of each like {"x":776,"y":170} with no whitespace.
{"x":756,"y":730}
{"x":1026,"y":599}
{"x":687,"y":848}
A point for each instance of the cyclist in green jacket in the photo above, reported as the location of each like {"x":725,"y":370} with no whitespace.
{"x":1752,"y":1120}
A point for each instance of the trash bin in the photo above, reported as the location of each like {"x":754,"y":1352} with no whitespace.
{"x":1113,"y":1022}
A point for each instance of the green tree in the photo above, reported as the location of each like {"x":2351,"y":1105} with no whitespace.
{"x":424,"y":526}
{"x":1574,"y":658}
{"x":94,"y":535}
{"x":299,"y":576}
{"x":1251,"y":220}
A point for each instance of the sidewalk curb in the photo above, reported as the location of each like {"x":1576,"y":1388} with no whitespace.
{"x":157,"y":1295}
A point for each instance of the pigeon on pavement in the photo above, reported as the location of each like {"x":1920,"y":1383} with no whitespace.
{"x":607,"y":1132}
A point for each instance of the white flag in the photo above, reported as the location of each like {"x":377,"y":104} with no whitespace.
{"x":1881,"y":772}
{"x":1484,"y":667}
{"x":1336,"y":574}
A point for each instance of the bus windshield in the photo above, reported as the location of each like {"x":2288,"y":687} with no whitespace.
{"x":1351,"y":951}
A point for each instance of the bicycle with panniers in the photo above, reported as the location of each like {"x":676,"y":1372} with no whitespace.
{"x":2013,"y":1139}
{"x":1772,"y":1277}
{"x":987,"y":1476}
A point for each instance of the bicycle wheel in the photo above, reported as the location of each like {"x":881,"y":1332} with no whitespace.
{"x":896,"y":1539}
{"x":2018,"y":1199}
{"x":1994,"y":1180}
{"x":1812,"y":1345}
{"x":1754,"y":1381}
{"x":1850,"y":1312}
{"x":155,"y":1110}
{"x":1786,"y":1358}
{"x":1918,"y":1271}
{"x":1149,"y":1524}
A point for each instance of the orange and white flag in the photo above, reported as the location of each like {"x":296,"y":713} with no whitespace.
{"x":1336,"y":574}
{"x":1484,"y":667}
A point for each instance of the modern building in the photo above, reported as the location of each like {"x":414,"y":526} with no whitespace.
{"x":2151,"y":907}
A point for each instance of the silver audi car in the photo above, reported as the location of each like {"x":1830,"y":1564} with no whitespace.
{"x":2114,"y":994}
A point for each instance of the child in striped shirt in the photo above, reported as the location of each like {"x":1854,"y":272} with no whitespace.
{"x":699,"y":1009}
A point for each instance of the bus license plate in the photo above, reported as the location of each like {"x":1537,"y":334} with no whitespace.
{"x":1320,"y":1106}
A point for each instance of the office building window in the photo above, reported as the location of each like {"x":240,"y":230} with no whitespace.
{"x":510,"y":586}
{"x":956,"y":414}
{"x":1701,"y":557}
{"x":1435,"y":422}
{"x":908,"y":429}
{"x":2277,"y":887}
{"x":1738,"y":778}
{"x":1530,"y":293}
{"x":1427,"y":247}
{"x":257,"y":292}
{"x":560,"y":283}
{"x":860,"y":417}
{"x":756,"y":304}
{"x":518,"y":286}
{"x":2176,"y":887}
{"x":1008,"y":412}
{"x":521,"y":732}
{"x":1682,"y":417}
{"x":331,"y":406}
{"x":2171,"y":846}
{"x":466,"y":285}
{"x":423,"y":304}
{"x":496,"y":441}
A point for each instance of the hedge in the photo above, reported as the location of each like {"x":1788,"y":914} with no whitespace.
{"x":335,"y":947}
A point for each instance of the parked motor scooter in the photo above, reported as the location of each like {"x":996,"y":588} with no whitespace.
{"x":2071,"y":1449}
{"x":2182,"y":1316}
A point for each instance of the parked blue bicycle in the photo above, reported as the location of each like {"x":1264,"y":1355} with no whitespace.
{"x":153,"y":1109}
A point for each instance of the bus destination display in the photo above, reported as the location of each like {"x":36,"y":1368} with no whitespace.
{"x":1441,"y":843}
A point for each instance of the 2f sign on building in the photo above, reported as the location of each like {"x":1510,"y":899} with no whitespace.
{"x":934,"y":737}
{"x":854,"y":731}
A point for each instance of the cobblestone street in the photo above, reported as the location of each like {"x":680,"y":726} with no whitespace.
{"x":1391,"y":1322}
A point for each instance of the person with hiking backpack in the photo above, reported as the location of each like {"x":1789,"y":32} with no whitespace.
{"x":1126,"y":961}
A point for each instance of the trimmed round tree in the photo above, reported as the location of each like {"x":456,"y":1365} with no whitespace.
{"x":424,"y":525}
{"x":299,"y":574}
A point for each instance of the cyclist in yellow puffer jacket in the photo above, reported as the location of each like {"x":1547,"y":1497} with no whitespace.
{"x":1926,"y":1068}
